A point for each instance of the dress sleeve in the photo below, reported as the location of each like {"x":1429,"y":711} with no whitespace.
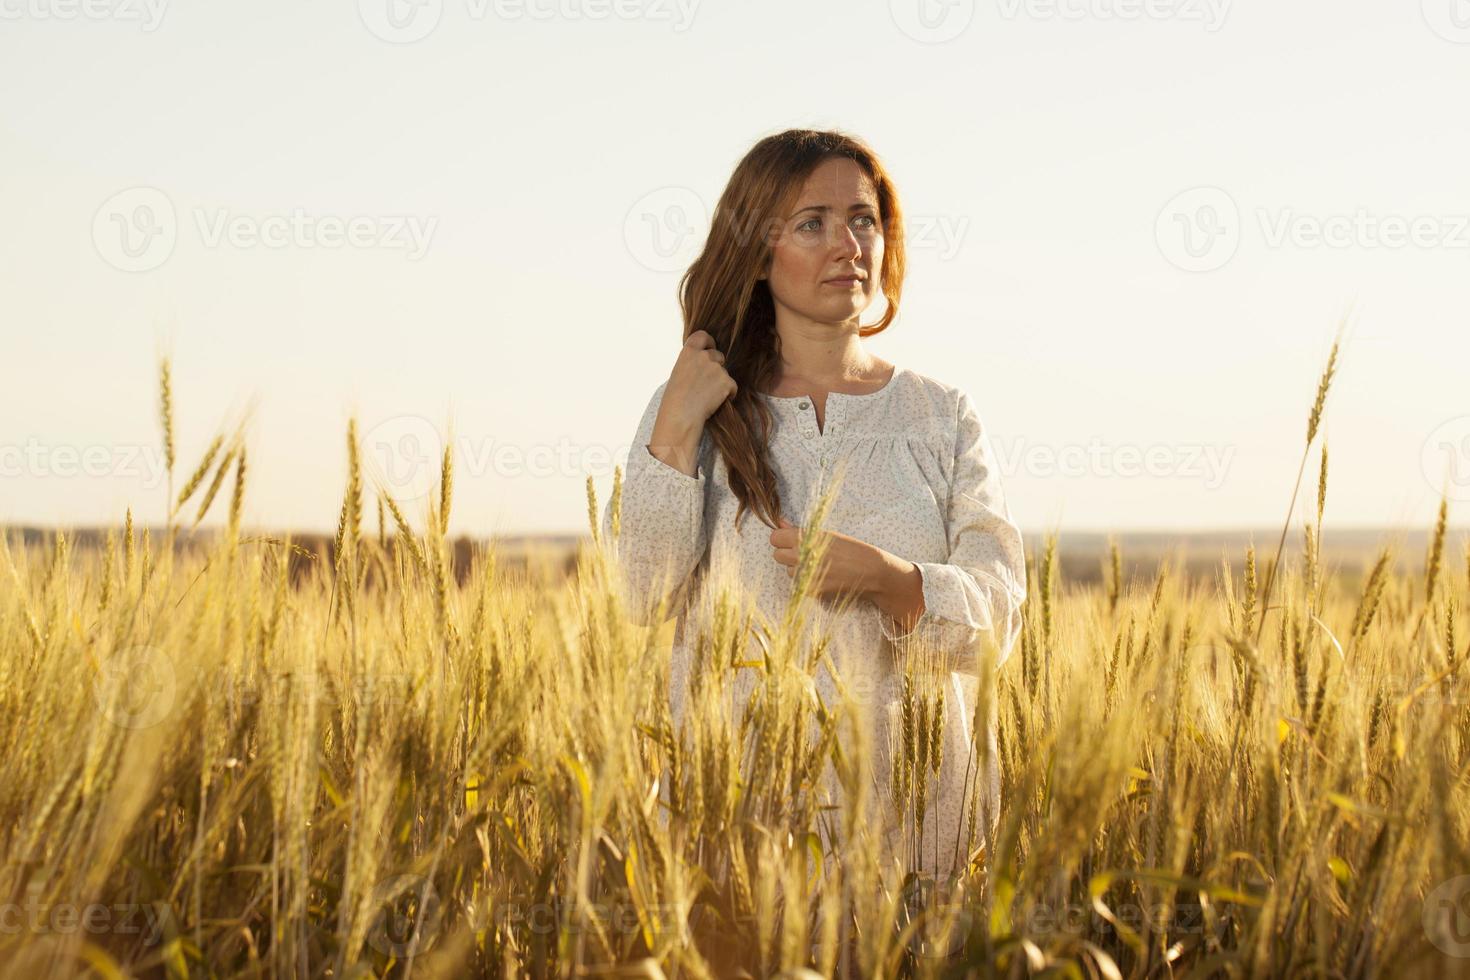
{"x":982,"y":586}
{"x":662,"y":531}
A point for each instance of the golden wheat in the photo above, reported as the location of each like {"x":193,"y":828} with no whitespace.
{"x":470,"y":769}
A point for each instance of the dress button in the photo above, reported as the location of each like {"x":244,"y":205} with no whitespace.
{"x":802,"y":406}
{"x":807,"y":434}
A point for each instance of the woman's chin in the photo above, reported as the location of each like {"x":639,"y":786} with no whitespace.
{"x":845,"y":309}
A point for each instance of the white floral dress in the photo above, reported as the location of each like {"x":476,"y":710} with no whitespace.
{"x":919,"y":480}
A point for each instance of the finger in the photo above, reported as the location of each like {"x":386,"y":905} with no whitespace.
{"x":699,"y":340}
{"x":716,"y":355}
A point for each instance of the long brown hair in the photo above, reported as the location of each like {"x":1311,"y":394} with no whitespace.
{"x":721,"y":293}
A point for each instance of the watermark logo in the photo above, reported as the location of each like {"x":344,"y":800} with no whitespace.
{"x":943,"y":918}
{"x":136,"y":229}
{"x":1199,"y":229}
{"x":400,"y":21}
{"x":932,"y":21}
{"x":664,"y":229}
{"x":408,"y":915}
{"x":1447,"y":916}
{"x":1445,"y":458}
{"x":404,"y":454}
{"x":1450,"y":19}
{"x":136,"y":687}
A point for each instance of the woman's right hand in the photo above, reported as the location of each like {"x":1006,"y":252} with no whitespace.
{"x":697,"y":386}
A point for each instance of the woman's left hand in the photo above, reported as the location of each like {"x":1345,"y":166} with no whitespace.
{"x":895,"y":585}
{"x":850,"y":565}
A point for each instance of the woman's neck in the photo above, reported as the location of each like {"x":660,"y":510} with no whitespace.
{"x":825,"y":362}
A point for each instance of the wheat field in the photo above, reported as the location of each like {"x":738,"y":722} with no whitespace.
{"x":228,"y":755}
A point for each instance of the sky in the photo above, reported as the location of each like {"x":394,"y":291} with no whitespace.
{"x":1134,"y":227}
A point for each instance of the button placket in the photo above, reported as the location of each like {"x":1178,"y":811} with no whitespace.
{"x":829,"y":435}
{"x":825,"y":440}
{"x":808,"y":422}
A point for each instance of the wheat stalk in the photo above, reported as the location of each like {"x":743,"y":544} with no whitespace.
{"x":218,"y":481}
{"x":200,"y":471}
{"x":166,"y":416}
{"x":237,"y":498}
{"x":1434,"y":561}
{"x":1314,"y":420}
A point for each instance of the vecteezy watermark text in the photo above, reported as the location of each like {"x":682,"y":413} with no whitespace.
{"x":938,"y":21}
{"x":137,"y":229}
{"x":1200,"y":229}
{"x":1210,"y":13}
{"x":404,"y":454}
{"x":1190,"y":461}
{"x":140,"y":687}
{"x":145,"y":920}
{"x":407,"y":21}
{"x":1362,"y":229}
{"x":665,"y":228}
{"x":298,"y":228}
{"x":148,"y":14}
{"x":36,"y":459}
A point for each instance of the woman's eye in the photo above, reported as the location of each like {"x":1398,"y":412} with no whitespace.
{"x":813,"y":224}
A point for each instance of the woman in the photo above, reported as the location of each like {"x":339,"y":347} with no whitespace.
{"x":771,"y":398}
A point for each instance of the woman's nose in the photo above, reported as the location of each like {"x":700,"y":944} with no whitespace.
{"x":845,"y":240}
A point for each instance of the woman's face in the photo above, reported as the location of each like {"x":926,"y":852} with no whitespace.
{"x":835,"y":231}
